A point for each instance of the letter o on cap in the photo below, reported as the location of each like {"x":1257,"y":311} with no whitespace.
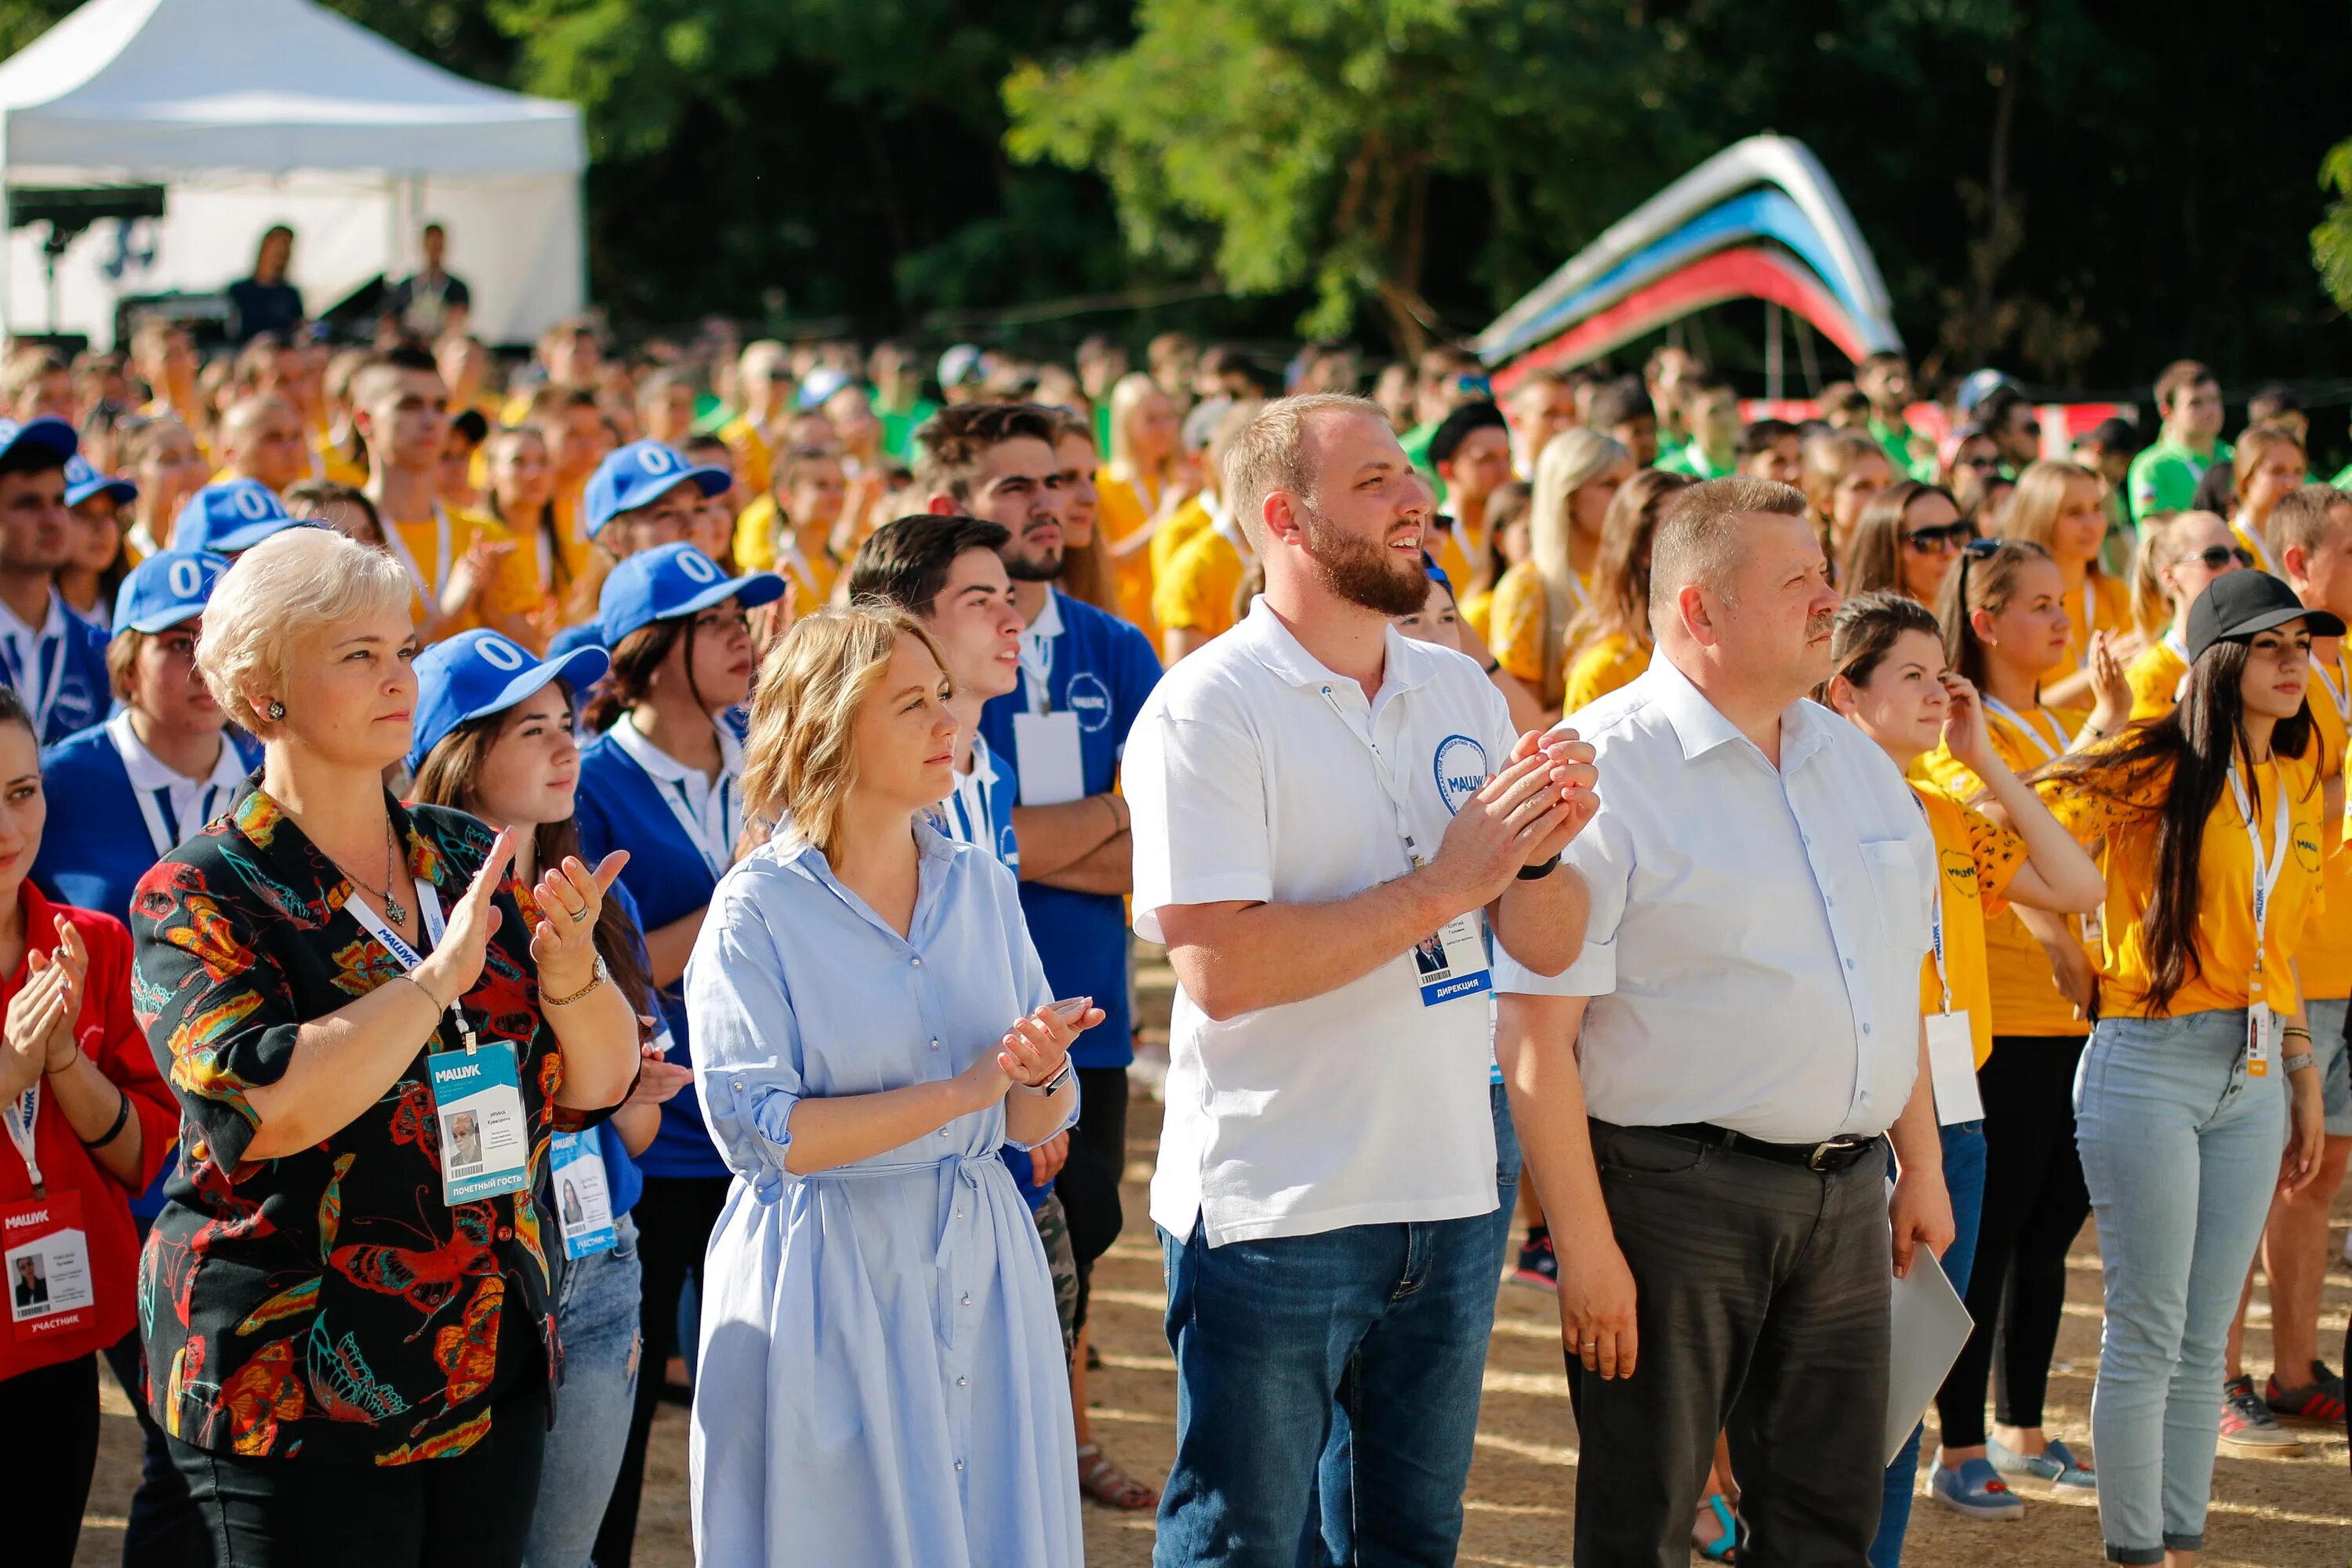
{"x":656,"y":459}
{"x":501,"y":654}
{"x":697,"y":565}
{"x":185,"y":578}
{"x":253,"y":504}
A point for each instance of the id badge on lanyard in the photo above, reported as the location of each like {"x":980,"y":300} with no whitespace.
{"x":2262,"y":1023}
{"x":1451,"y":962}
{"x":484,"y":1133}
{"x":583,"y":1202}
{"x":1049,"y":755}
{"x":43,"y":1246}
{"x":1951,"y":1044}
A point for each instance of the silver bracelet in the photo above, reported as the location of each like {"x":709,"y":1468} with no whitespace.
{"x":439,"y":1006}
{"x":2297,"y":1062}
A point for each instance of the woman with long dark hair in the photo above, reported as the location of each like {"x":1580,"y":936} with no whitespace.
{"x":2199,"y":1076}
{"x":1608,"y":636}
{"x":494,"y":740}
{"x":663,"y":781}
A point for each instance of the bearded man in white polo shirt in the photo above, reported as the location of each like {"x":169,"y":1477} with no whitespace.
{"x":1329,"y":822}
{"x":1742,"y":1029}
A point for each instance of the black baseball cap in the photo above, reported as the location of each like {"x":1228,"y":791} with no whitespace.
{"x":2239,"y":603}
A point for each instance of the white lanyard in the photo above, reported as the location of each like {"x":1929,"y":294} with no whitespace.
{"x":722,"y":809}
{"x":1936,"y":931}
{"x":2031,"y":732}
{"x":2262,"y":551}
{"x":26,"y":1107}
{"x":49,"y":661}
{"x":428,"y":909}
{"x":2340,"y":697}
{"x":155,"y":804}
{"x":2265,"y":873}
{"x":1380,"y":769}
{"x":1038,"y":672}
{"x":428,"y":591}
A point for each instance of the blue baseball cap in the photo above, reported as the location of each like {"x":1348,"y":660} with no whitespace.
{"x":479,"y":673}
{"x":83,"y":481}
{"x":640,"y":473}
{"x":822,"y":383}
{"x":53,"y":436}
{"x":166,"y":590}
{"x":234,"y":515}
{"x":673,"y":579}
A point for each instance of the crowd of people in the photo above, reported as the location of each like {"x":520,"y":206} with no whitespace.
{"x":1706,"y":867}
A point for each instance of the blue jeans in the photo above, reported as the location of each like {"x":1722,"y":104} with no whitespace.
{"x":2180,"y":1152}
{"x":1335,"y":1497}
{"x":1387,"y":1323}
{"x":596,"y":1315}
{"x":1964,"y":1180}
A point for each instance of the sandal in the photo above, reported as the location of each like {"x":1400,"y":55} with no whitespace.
{"x":1110,"y":1486}
{"x":1731,"y":1535}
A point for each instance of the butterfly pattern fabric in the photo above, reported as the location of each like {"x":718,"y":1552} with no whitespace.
{"x":328,"y":1302}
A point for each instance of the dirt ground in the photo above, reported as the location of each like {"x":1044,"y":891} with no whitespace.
{"x":2267,"y":1514}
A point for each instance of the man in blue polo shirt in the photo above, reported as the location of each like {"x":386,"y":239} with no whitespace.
{"x":54,"y":660}
{"x":1084,"y":676}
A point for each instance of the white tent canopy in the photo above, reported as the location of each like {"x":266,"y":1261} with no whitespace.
{"x":253,"y":112}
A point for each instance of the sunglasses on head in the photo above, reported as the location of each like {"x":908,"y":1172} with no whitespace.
{"x":2217,"y":557}
{"x":1941,"y":540}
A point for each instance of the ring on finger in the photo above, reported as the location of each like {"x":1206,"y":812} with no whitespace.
{"x":578,"y":915}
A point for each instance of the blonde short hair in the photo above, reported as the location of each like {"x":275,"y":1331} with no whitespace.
{"x":1270,"y":454}
{"x":800,"y":763}
{"x":280,"y":591}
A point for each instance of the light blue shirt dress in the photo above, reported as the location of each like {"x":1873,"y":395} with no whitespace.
{"x":881,"y":1380}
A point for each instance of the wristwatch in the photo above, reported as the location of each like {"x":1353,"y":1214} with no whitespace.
{"x":601,"y":976}
{"x":1052,"y":1085}
{"x":1537,"y":873}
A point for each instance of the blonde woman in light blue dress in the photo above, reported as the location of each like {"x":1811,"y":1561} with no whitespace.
{"x":881,"y":1381}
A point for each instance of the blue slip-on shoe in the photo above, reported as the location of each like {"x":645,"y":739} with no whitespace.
{"x":1977,"y":1491}
{"x":2054,"y":1464}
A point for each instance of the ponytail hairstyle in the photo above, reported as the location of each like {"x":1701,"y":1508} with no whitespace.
{"x":2181,"y":761}
{"x":2162,"y":543}
{"x":1865,"y":629}
{"x":1620,"y":601}
{"x":631,"y":677}
{"x":1985,"y":579}
{"x":447,"y":777}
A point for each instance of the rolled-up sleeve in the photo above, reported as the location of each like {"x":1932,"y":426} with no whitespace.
{"x":748,"y":1065}
{"x":217,"y":1011}
{"x":1603,"y":855}
{"x":1197,"y":791}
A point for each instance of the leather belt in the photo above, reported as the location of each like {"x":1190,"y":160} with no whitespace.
{"x":1830,"y":1154}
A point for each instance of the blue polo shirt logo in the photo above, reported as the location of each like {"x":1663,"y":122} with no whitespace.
{"x":1461,"y":769}
{"x":1089,"y":699}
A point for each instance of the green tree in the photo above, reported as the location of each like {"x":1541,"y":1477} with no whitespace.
{"x":1305,"y":144}
{"x":2331,"y":242}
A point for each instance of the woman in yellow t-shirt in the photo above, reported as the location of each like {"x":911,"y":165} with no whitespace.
{"x":2268,"y":466}
{"x":2004,"y":623}
{"x":1506,"y":546}
{"x":2213,"y":824}
{"x":1577,"y":476}
{"x":1609,"y":637}
{"x":1893,"y":683}
{"x":2178,"y":559}
{"x":1141,"y":486}
{"x":2062,"y":507}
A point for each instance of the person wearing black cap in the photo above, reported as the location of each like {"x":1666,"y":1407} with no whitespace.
{"x":2198,"y":1097}
{"x":1471,"y":450}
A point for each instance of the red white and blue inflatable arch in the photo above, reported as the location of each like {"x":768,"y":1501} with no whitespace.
{"x":1759,"y":220}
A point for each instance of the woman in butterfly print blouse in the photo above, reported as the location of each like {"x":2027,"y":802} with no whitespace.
{"x":318,"y":1318}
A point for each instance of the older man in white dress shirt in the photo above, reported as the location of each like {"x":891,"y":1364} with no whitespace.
{"x":1742,"y":1030}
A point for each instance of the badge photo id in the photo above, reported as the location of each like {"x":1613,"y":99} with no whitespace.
{"x":484,"y":1137}
{"x":584,"y":1203}
{"x":45,"y":1255}
{"x":1451,"y":962}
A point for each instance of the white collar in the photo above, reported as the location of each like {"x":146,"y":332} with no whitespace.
{"x":1048,"y":624}
{"x":149,"y":772}
{"x":661,"y":766}
{"x":1406,"y":664}
{"x":1700,"y":726}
